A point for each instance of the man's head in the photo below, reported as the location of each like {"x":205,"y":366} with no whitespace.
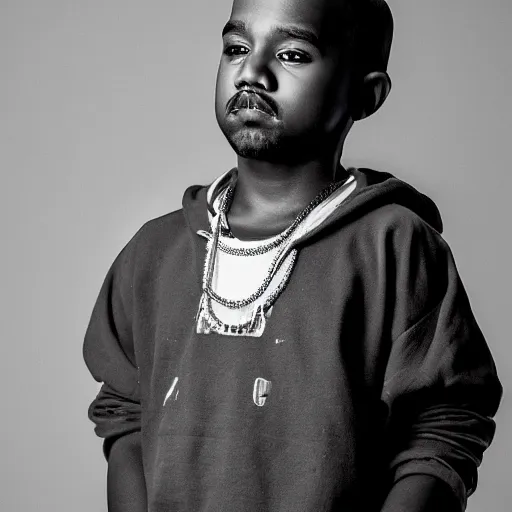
{"x":295,"y":74}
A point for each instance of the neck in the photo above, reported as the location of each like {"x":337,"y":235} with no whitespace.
{"x":267,"y":186}
{"x":266,"y":183}
{"x":268,"y":196}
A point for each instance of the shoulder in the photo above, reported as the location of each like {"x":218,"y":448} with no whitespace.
{"x":156,"y":236}
{"x":153,"y":237}
{"x":400,"y":221}
{"x":164,"y":226}
{"x":394,"y":231}
{"x":392,"y":203}
{"x":171,"y":226}
{"x":169,"y":231}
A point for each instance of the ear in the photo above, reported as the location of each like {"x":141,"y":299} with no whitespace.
{"x":371,"y":95}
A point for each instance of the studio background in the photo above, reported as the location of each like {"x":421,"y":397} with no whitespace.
{"x":106,"y":116}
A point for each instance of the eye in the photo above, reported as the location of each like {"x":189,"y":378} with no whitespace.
{"x":294,"y":57}
{"x":235,"y":50}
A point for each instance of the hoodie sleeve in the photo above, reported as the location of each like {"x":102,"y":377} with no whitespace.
{"x":441,"y":385}
{"x":109,"y":354}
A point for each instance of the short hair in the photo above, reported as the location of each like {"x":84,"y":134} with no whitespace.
{"x":370,"y":33}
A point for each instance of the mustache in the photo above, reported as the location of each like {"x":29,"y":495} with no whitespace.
{"x":249,"y":98}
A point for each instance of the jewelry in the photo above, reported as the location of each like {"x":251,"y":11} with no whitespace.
{"x":206,"y":317}
{"x":262,"y":249}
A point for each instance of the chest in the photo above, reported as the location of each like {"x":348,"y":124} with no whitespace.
{"x":321,"y":345}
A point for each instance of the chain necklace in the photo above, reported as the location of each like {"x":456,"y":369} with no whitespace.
{"x":287,"y":252}
{"x":237,"y":304}
{"x":262,"y":249}
{"x":260,"y":311}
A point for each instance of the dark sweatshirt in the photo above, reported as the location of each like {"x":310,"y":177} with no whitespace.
{"x":371,"y":367}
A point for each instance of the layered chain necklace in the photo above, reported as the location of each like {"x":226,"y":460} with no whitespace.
{"x":255,"y":305}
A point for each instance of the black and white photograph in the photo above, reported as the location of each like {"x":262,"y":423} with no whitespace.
{"x":257,"y":255}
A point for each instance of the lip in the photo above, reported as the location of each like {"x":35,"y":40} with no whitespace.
{"x":247,"y":101}
{"x":251,"y":113}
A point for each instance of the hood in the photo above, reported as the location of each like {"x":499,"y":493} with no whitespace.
{"x":373,"y":190}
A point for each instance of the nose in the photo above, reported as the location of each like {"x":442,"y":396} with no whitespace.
{"x":255,"y":72}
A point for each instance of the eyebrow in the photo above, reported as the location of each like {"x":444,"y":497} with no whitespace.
{"x":290,"y":31}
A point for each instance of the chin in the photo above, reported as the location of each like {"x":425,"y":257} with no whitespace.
{"x":254,"y":144}
{"x":272,"y":145}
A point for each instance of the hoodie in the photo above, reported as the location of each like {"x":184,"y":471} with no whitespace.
{"x":371,"y":366}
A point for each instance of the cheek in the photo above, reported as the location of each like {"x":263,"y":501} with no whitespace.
{"x":307,"y":101}
{"x":224,"y":86}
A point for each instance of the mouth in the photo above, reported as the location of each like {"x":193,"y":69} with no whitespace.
{"x":250,"y":101}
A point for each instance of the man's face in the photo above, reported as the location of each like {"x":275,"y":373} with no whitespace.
{"x":283,"y":79}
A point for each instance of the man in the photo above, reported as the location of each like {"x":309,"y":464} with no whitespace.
{"x":296,"y":337}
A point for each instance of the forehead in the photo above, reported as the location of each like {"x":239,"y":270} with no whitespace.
{"x":319,"y":15}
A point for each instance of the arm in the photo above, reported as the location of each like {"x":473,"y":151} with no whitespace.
{"x":420,"y":493}
{"x":117,"y":420}
{"x":109,"y":353}
{"x":126,"y":487}
{"x":441,"y":386}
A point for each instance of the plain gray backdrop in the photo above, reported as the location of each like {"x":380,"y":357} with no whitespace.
{"x":106,"y":115}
